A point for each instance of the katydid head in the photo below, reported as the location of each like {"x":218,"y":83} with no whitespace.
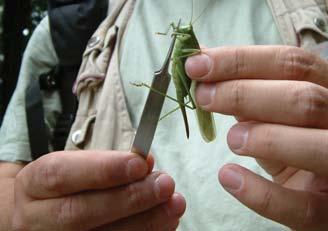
{"x":185,"y":29}
{"x":188,"y":28}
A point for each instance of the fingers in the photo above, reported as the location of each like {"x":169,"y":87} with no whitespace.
{"x":95,"y":208}
{"x":290,"y":102}
{"x":291,"y":146}
{"x":151,"y":162}
{"x":297,"y":209}
{"x":257,"y":62}
{"x":162,"y":218}
{"x":65,"y":173}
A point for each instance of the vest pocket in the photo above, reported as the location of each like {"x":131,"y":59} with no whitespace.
{"x":311,"y":25}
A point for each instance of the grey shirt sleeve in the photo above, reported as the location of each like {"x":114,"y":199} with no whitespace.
{"x":39,"y":57}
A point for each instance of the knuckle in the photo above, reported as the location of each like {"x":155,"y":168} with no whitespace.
{"x":19,"y":224}
{"x":51,"y":175}
{"x":267,"y":140}
{"x":311,"y":102}
{"x":237,"y":96}
{"x":319,"y":155}
{"x":240,"y":65}
{"x":136,"y":199}
{"x":238,"y":62}
{"x":19,"y":227}
{"x":265,"y":204}
{"x":69,"y":212}
{"x":296,"y":63}
{"x":312,"y":213}
{"x":104,"y":173}
{"x":108,"y":172}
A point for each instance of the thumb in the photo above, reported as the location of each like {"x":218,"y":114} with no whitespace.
{"x":296,"y":209}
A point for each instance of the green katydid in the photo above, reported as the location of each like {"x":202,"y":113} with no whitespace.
{"x":187,"y":45}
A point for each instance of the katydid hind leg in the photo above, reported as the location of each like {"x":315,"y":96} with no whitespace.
{"x":169,"y":113}
{"x":172,"y":111}
{"x":191,"y":52}
{"x":180,"y":93}
{"x":184,"y":78}
{"x":188,"y":53}
{"x":185,"y":117}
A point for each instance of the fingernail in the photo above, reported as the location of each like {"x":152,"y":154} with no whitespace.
{"x":205,"y":93}
{"x":231,"y":180}
{"x":164,"y":186}
{"x":237,"y":136}
{"x":198,"y":66}
{"x":136,"y":168}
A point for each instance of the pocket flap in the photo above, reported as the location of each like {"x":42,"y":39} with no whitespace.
{"x":79,"y":136}
{"x":96,"y":59}
{"x":311,"y":19}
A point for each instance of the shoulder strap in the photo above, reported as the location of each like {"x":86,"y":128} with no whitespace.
{"x":70,"y":31}
{"x":37,"y":131}
{"x":71,"y":25}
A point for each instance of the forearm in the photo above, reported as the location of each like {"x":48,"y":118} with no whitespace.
{"x":8,"y":173}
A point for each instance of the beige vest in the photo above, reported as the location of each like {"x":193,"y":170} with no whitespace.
{"x":103,"y":121}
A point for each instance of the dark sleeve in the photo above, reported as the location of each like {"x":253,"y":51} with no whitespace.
{"x":72,"y":23}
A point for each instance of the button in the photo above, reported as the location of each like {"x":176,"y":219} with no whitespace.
{"x":93,"y":41}
{"x":75,"y":136}
{"x":320,"y":23}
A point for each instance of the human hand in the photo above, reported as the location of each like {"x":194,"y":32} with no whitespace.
{"x":94,"y":190}
{"x":279,"y":96}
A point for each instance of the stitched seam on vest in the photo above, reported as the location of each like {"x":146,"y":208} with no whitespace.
{"x":124,"y":111}
{"x":289,"y":11}
{"x":283,"y":22}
